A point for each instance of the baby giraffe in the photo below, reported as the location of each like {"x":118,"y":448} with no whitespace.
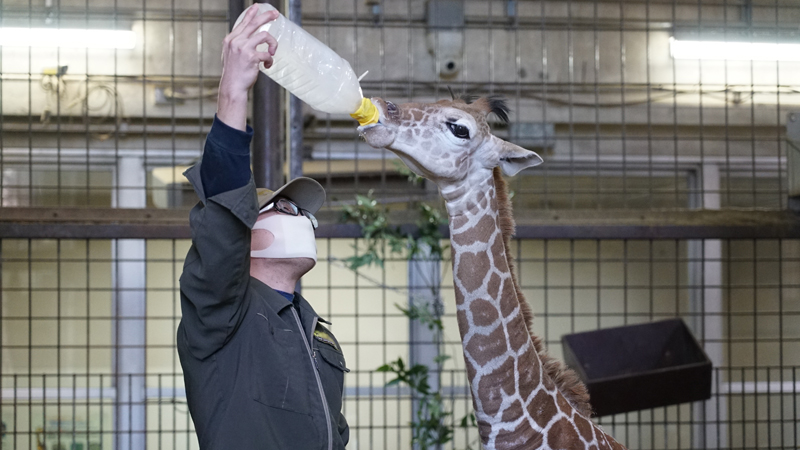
{"x":523,"y":398}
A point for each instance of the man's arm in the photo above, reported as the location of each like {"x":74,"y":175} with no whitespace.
{"x":227,"y":151}
{"x":217,"y":268}
{"x":240,"y":65}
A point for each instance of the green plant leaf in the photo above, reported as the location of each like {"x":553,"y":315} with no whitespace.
{"x":394,"y":382}
{"x":441,"y":358}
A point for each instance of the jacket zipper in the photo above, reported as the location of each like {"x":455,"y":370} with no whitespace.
{"x":316,"y":375}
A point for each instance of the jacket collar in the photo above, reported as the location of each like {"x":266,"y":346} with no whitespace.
{"x":278,"y":303}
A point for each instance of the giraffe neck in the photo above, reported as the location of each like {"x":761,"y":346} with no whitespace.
{"x":517,"y":404}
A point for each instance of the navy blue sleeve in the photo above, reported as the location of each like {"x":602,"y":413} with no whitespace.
{"x":226,"y":159}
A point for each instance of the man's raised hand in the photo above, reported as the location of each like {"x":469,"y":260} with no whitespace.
{"x":240,"y":61}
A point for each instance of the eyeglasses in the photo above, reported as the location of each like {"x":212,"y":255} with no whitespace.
{"x":286,"y":206}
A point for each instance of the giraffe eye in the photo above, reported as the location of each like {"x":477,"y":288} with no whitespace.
{"x":459,"y":131}
{"x":391,"y":107}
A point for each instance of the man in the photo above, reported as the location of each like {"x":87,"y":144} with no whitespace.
{"x":261,"y":372}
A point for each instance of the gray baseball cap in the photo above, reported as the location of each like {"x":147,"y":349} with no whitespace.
{"x":307,"y":193}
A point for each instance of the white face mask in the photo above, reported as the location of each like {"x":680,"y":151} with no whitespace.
{"x":294,"y":237}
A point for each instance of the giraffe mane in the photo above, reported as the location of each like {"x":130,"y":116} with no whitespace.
{"x":492,"y":104}
{"x":567,"y":381}
{"x":462,"y":97}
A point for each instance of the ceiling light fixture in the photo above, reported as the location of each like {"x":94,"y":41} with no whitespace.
{"x":735,"y":43}
{"x":67,"y":38}
{"x":734,"y":50}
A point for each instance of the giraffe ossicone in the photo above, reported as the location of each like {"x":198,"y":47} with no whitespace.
{"x":523,"y":398}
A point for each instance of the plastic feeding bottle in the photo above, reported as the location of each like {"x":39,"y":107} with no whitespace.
{"x":313,"y":72}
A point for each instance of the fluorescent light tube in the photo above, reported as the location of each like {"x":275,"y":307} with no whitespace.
{"x":734,"y":51}
{"x":67,"y":38}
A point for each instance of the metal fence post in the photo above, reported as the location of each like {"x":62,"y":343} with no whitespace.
{"x":130,"y":414}
{"x":424,"y":282}
{"x":793,"y":159}
{"x":267,"y":157}
{"x":706,"y":304}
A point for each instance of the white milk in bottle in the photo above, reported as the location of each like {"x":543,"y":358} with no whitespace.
{"x":313,"y":72}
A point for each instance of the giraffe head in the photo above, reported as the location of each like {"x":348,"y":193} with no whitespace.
{"x":448,"y":141}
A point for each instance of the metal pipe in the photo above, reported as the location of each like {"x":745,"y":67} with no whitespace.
{"x":235,"y":9}
{"x":294,"y":10}
{"x":267,"y":154}
{"x":295,"y":137}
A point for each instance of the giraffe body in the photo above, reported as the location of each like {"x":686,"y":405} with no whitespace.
{"x":523,"y":399}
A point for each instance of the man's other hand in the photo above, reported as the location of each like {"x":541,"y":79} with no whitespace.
{"x":240,"y":61}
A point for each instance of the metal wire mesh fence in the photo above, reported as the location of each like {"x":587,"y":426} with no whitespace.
{"x":64,"y":385}
{"x":596,"y":86}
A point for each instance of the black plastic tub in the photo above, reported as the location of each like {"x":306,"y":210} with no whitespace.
{"x":639,"y":367}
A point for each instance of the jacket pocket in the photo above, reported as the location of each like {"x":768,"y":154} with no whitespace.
{"x":278,"y":379}
{"x":332,"y":357}
{"x":332,"y":367}
{"x":281,"y":429}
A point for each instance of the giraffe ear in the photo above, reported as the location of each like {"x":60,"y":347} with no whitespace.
{"x":514,"y":158}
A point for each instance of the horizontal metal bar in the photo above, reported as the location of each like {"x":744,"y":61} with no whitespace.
{"x":93,"y":223}
{"x":155,"y":393}
{"x":23,"y":394}
{"x":110,"y":223}
{"x":379,"y":391}
{"x":760,"y":387}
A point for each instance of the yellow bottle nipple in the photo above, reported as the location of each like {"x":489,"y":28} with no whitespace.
{"x":367,"y":113}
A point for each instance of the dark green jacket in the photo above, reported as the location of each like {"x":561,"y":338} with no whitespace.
{"x":258,"y":375}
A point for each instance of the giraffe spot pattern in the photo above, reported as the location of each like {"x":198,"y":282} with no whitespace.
{"x":483,"y":348}
{"x":463,"y":322}
{"x":483,"y":312}
{"x":563,"y":404}
{"x":459,"y":222}
{"x":485,"y":430}
{"x":459,"y":297}
{"x":542,"y":408}
{"x":484,"y":203}
{"x":522,"y":437}
{"x":508,"y":299}
{"x":528,"y":369}
{"x":472,"y":372}
{"x":481,"y":232}
{"x":480,"y":197}
{"x":548,"y":384}
{"x":517,"y":333}
{"x":562,"y":435}
{"x":492,"y":386}
{"x":493,"y":287}
{"x":584,"y":427}
{"x":472,"y":270}
{"x":499,"y":253}
{"x":513,"y":412}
